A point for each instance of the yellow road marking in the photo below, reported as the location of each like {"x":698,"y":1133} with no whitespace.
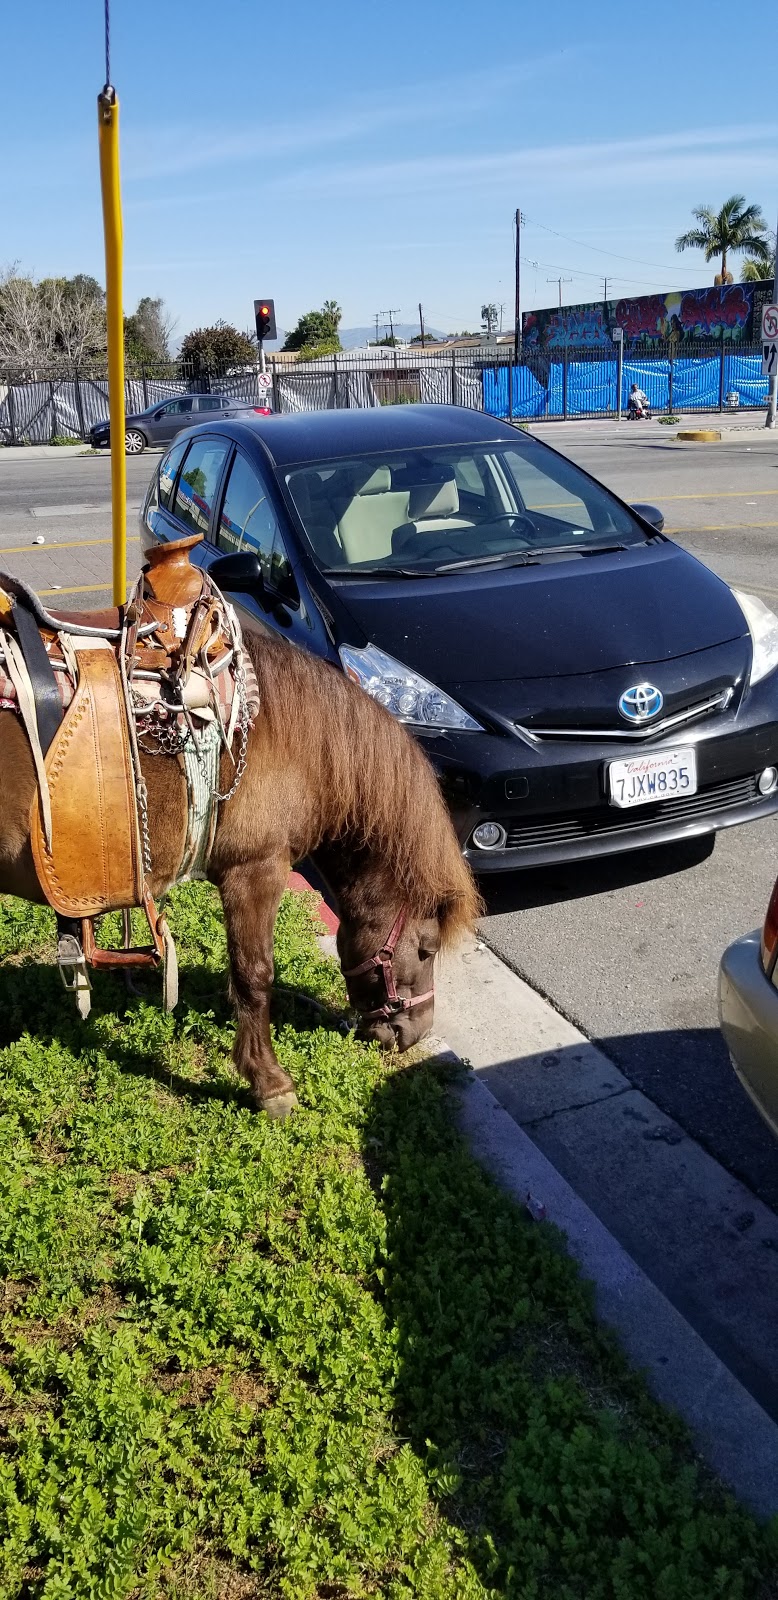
{"x":723,"y":527}
{"x":64,"y":544}
{"x":81,"y":588}
{"x":726,"y":494}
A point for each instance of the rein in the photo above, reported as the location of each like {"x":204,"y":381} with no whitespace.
{"x":383,"y":961}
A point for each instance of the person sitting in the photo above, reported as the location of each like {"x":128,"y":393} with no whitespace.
{"x":638,"y":402}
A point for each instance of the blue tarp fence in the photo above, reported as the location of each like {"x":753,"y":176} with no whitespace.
{"x":698,"y":384}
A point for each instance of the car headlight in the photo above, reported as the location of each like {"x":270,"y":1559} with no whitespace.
{"x":406,"y":694}
{"x":763,"y":628}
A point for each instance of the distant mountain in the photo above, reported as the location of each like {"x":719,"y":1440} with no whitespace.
{"x":352,"y":338}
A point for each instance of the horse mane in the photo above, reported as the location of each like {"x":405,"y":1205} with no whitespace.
{"x":372,"y":781}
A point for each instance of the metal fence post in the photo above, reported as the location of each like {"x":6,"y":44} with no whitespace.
{"x":510,"y":391}
{"x":619,"y":376}
{"x":274,"y":377}
{"x":53,"y":404}
{"x":396,"y":382}
{"x":721,"y":371}
{"x":670,"y":385}
{"x":145,"y":390}
{"x":335,"y":386}
{"x":454,"y":397}
{"x":79,"y":404}
{"x":564,"y":386}
{"x":12,"y":414}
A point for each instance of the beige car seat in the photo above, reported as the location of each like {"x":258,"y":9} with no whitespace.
{"x":432,"y":508}
{"x":367,"y":525}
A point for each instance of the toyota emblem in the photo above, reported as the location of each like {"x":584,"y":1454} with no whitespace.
{"x":640,"y":703}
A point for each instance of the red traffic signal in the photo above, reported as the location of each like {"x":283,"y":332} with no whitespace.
{"x":265,"y":315}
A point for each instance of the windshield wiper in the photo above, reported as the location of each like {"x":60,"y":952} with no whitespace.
{"x":378,"y":572}
{"x":580,"y":549}
{"x":507,"y":558}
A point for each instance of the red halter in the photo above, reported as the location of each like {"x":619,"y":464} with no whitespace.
{"x":383,"y":959}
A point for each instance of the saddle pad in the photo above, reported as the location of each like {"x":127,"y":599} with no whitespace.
{"x":94,"y":864}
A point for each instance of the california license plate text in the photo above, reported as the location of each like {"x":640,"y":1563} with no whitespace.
{"x":648,"y":778}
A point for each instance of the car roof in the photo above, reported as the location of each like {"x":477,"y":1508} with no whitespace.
{"x":321,"y":435}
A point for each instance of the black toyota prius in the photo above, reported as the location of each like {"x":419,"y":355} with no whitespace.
{"x":581,"y":684}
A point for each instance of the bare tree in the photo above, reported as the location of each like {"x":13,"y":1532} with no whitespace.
{"x":23,"y":332}
{"x":59,"y":321}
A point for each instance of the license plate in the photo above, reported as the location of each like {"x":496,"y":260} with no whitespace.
{"x":647,"y":778}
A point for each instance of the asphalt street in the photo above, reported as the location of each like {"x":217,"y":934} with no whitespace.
{"x":628,"y":950}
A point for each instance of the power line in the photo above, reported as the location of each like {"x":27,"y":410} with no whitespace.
{"x":581,"y":272}
{"x":637,"y":261}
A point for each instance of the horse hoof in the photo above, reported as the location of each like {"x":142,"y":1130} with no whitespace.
{"x":279,"y":1106}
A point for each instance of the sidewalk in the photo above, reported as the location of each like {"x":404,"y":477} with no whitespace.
{"x":630,"y":1192}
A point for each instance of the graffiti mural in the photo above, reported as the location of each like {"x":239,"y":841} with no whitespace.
{"x":724,"y":312}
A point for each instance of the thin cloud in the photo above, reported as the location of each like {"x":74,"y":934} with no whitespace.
{"x":177,"y":149}
{"x":693,"y":154}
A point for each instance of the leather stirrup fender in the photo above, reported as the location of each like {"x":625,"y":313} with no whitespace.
{"x":95,"y":862}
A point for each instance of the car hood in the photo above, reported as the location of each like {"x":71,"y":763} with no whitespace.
{"x":649,"y":603}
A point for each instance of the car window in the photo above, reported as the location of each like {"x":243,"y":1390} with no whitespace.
{"x":248,"y":522}
{"x":167,"y":472}
{"x":199,"y":482}
{"x":178,"y":407}
{"x":558,"y":502}
{"x":438,"y":505}
{"x":209,"y":402}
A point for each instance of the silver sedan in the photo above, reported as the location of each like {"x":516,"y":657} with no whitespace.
{"x":748,"y":1011}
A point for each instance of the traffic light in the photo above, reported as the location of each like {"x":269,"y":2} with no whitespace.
{"x":265,"y":313}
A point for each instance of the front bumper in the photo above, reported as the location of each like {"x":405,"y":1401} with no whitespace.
{"x":748,"y":1013}
{"x":99,"y":440}
{"x":550,"y":795}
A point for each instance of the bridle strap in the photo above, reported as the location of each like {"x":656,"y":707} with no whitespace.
{"x":383,"y":960}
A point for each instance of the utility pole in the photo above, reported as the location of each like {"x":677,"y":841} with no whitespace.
{"x":395,"y":312}
{"x":501,"y":309}
{"x":559,"y":281}
{"x":605,"y":290}
{"x":377,"y":315}
{"x":517,"y":328}
{"x":421,"y":325}
{"x":772,"y":395}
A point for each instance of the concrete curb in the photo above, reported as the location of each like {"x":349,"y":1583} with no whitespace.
{"x":732,"y":1432}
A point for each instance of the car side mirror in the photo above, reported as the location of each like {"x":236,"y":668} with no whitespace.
{"x":159,"y":414}
{"x":242,"y":573}
{"x":650,"y":514}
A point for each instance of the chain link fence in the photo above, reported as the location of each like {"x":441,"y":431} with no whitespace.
{"x":712,"y":375}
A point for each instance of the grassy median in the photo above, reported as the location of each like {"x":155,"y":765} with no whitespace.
{"x":318,"y":1359}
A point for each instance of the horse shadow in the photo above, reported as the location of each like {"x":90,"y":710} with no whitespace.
{"x":33,"y":1000}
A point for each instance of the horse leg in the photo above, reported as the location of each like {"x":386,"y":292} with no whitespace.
{"x":250,"y":895}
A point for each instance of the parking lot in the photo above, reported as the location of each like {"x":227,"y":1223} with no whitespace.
{"x":627,"y":949}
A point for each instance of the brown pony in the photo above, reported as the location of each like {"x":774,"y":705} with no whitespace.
{"x":332,"y":776}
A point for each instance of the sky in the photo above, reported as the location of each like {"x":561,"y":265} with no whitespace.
{"x":376,"y":155}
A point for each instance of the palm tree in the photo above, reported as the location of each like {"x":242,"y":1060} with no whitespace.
{"x":756,"y":268}
{"x":736,"y":227}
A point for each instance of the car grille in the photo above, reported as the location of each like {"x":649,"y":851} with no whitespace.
{"x":652,"y":730}
{"x":607,"y":822}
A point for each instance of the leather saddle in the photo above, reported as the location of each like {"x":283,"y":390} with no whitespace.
{"x":85,"y":683}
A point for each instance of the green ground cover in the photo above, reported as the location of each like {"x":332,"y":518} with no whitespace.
{"x":320,"y":1358}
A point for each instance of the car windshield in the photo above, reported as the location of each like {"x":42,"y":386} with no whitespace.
{"x":440,"y":507}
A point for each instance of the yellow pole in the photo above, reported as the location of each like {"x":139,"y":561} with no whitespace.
{"x":108,"y":123}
